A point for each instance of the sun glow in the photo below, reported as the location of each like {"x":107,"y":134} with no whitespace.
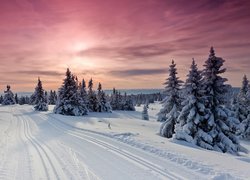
{"x":78,"y":46}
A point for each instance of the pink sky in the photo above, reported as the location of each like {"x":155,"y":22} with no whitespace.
{"x":121,"y":43}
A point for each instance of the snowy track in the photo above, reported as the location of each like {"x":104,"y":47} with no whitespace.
{"x":116,"y":150}
{"x":37,"y":145}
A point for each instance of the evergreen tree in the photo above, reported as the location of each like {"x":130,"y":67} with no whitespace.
{"x":127,"y":104}
{"x":69,"y":100}
{"x":245,"y":128}
{"x":52,"y":99}
{"x":103,"y":104}
{"x":217,"y":130}
{"x":116,"y":100}
{"x":240,"y":105}
{"x":16,"y":98}
{"x":1,"y":99}
{"x":242,"y":109}
{"x":40,"y":98}
{"x":46,"y":96}
{"x":22,"y":100}
{"x":171,"y":104}
{"x":8,"y":98}
{"x":83,"y":92}
{"x":92,"y":99}
{"x":55,"y":96}
{"x":191,"y":115}
{"x":145,"y":112}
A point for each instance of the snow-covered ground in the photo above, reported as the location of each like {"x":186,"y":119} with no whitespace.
{"x":43,"y":145}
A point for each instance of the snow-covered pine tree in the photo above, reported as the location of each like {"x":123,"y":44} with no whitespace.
{"x":46,"y":96}
{"x":242,"y":109}
{"x":217,"y":130}
{"x":69,"y":100}
{"x":22,"y":100}
{"x":171,"y":103}
{"x":245,"y":128}
{"x":240,"y":106}
{"x":191,"y":115}
{"x":1,"y":99}
{"x":40,"y":98}
{"x":51,"y":99}
{"x":145,"y":112}
{"x":83,"y":92}
{"x":16,"y":98}
{"x":113,"y":99}
{"x":127,"y":104}
{"x":103,"y":104}
{"x":8,"y":98}
{"x":92,"y":99}
{"x":55,"y":96}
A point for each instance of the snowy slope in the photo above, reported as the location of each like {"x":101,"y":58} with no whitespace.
{"x":43,"y":145}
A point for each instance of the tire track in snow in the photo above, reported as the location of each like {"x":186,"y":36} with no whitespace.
{"x":124,"y":154}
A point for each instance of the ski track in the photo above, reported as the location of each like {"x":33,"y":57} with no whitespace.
{"x":37,"y":145}
{"x":53,"y":166}
{"x":163,"y":174}
{"x":118,"y":151}
{"x":196,"y":168}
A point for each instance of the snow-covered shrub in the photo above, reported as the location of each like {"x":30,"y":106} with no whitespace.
{"x":145,"y":112}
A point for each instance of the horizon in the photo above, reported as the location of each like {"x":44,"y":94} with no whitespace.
{"x":126,"y":44}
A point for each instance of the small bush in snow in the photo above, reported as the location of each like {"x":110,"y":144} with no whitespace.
{"x":145,"y":112}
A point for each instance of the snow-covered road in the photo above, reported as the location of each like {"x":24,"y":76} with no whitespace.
{"x":37,"y":145}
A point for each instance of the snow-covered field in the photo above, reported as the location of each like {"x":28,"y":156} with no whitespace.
{"x":43,"y":145}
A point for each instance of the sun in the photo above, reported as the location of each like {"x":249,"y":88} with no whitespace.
{"x":78,"y":46}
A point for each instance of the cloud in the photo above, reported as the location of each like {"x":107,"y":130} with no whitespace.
{"x":38,"y":73}
{"x":130,"y":52}
{"x":137,"y":72}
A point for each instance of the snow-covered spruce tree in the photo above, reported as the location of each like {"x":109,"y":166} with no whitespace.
{"x":127,"y":104}
{"x":243,"y":109}
{"x":245,"y":128}
{"x":217,"y":130}
{"x":145,"y":112}
{"x":40,"y":98}
{"x":1,"y":99}
{"x":8,"y":98}
{"x":241,"y":103}
{"x":69,"y":100}
{"x":116,"y":100}
{"x":83,"y":92}
{"x":171,"y":103}
{"x":191,"y":115}
{"x":103,"y":104}
{"x":52,"y":100}
{"x":16,"y":98}
{"x":92,"y":99}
